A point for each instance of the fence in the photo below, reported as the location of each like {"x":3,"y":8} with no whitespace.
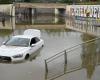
{"x":72,"y":59}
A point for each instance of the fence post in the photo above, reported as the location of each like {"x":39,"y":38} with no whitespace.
{"x":65,"y":55}
{"x":46,"y":70}
{"x":46,"y":67}
{"x":65,"y":65}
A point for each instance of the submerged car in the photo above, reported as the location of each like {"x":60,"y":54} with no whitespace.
{"x":20,"y":47}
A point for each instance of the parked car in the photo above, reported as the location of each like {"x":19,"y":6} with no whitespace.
{"x":20,"y":47}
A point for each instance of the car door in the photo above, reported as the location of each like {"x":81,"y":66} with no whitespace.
{"x":35,"y":44}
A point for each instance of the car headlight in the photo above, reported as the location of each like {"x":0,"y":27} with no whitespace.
{"x":18,"y":56}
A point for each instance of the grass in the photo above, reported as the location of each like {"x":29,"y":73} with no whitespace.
{"x":89,"y":3}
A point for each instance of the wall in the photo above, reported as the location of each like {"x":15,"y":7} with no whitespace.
{"x":83,"y":10}
{"x":7,"y":8}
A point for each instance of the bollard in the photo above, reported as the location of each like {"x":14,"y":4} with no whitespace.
{"x":46,"y":67}
{"x":65,"y":55}
{"x":46,"y":70}
{"x":65,"y":65}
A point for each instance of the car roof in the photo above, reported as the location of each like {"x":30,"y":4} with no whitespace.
{"x":33,"y":32}
{"x":30,"y":33}
{"x":24,"y":36}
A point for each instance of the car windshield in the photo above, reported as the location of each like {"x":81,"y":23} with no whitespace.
{"x":16,"y":41}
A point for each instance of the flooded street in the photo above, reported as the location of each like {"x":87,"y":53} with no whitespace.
{"x":57,"y":37}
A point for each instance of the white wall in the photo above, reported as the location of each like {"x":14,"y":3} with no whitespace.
{"x":81,"y":10}
{"x":8,"y":9}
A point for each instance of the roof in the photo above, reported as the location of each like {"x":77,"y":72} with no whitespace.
{"x":30,"y":33}
{"x":24,"y":36}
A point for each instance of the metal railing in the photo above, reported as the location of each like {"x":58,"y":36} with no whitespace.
{"x":62,"y":59}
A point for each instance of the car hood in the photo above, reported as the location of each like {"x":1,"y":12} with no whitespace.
{"x":12,"y":50}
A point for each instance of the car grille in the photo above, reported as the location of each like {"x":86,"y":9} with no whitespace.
{"x":5,"y":58}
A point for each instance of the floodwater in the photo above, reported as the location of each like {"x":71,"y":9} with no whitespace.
{"x":57,"y":37}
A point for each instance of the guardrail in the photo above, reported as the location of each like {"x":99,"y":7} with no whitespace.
{"x":62,"y":59}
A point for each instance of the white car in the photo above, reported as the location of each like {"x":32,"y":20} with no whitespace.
{"x":20,"y":47}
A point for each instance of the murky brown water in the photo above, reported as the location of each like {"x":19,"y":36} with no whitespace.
{"x":56,"y":39}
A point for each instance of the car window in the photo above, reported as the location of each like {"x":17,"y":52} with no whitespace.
{"x":34,"y":40}
{"x":16,"y":41}
{"x":37,"y":39}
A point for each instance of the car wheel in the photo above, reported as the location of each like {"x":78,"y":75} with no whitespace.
{"x":27,"y":56}
{"x":42,"y":45}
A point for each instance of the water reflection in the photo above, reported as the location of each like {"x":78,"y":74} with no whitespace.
{"x":7,"y":23}
{"x":84,"y":56}
{"x":39,"y":19}
{"x":4,"y":35}
{"x":86,"y":25}
{"x":87,"y":57}
{"x":58,"y":32}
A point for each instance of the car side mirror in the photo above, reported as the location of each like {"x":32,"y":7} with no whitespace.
{"x":32,"y":45}
{"x":4,"y":43}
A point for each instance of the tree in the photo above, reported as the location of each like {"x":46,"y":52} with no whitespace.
{"x":27,"y":0}
{"x":66,"y":1}
{"x":5,"y":1}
